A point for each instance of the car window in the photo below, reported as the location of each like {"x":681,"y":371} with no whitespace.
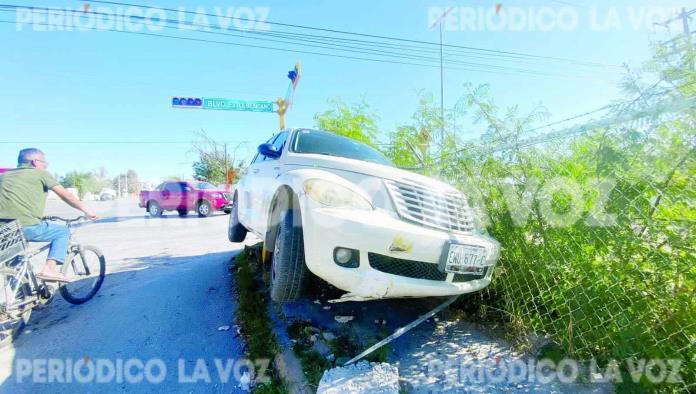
{"x":330,"y":144}
{"x":159,"y":187}
{"x":205,"y":185}
{"x":259,"y":157}
{"x":280,"y":141}
{"x":172,"y":187}
{"x":276,"y":141}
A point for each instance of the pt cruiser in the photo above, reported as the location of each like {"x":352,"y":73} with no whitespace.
{"x":339,"y":209}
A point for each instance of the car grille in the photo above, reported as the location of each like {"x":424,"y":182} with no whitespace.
{"x":415,"y":269}
{"x":445,"y":210}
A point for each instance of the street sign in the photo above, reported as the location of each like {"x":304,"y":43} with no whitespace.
{"x":237,"y":105}
{"x":222,"y":104}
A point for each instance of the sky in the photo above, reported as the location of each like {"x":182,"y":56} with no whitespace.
{"x":93,"y":99}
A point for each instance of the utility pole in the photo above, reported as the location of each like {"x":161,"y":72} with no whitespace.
{"x":227,"y":178}
{"x":282,"y":108}
{"x":442,"y":95}
{"x":439,"y":22}
{"x":125,"y":180}
{"x":118,"y":187}
{"x":684,"y":15}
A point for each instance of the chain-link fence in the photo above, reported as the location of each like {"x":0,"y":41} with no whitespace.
{"x":597,"y":231}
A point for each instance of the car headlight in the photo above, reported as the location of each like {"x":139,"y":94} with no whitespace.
{"x":334,"y":195}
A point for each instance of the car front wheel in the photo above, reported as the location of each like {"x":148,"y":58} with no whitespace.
{"x":288,"y":269}
{"x":154,"y":209}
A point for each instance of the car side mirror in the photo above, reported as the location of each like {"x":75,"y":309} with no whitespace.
{"x":269,"y":150}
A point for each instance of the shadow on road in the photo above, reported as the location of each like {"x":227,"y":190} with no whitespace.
{"x":161,"y":308}
{"x":118,"y":219}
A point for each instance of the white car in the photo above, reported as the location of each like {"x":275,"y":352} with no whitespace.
{"x":340,"y":209}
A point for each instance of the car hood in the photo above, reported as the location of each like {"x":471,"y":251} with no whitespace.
{"x":367,"y":168}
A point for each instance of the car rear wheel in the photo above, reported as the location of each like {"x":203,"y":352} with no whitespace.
{"x":288,"y":269}
{"x":204,"y":209}
{"x":154,"y":209}
{"x":236,"y":232}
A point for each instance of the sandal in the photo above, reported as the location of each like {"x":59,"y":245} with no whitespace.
{"x":53,"y":278}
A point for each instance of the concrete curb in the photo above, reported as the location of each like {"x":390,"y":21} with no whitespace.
{"x":290,"y":370}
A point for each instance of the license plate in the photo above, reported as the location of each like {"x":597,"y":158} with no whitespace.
{"x":465,"y":259}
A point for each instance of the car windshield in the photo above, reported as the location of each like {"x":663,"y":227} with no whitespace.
{"x":325,"y":143}
{"x":205,"y":185}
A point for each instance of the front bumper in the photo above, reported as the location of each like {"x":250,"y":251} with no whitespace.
{"x":220,"y":204}
{"x":382,"y":239}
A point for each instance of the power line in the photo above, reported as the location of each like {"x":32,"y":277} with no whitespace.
{"x":351,"y":49}
{"x":143,"y":142}
{"x":293,"y":50}
{"x":573,"y":130}
{"x":375,"y":36}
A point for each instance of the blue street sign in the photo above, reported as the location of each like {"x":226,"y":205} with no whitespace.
{"x":222,"y":104}
{"x":237,"y":105}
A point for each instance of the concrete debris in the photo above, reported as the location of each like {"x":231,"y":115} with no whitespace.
{"x":245,"y":381}
{"x":328,"y":336}
{"x":343,"y":319}
{"x":321,"y":348}
{"x":360,"y":378}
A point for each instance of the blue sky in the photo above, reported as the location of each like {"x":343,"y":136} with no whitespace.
{"x":105,"y":89}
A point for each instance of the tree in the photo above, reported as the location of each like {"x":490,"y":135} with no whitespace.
{"x":420,"y":143}
{"x":129,"y":180}
{"x":356,"y":121}
{"x":84,"y":182}
{"x":217,"y":163}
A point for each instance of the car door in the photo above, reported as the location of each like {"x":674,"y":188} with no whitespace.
{"x":245,"y":194}
{"x":171,"y":196}
{"x":264,"y":184}
{"x":189,"y":196}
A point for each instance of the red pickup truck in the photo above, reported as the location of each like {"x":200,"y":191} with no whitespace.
{"x":183,"y":196}
{"x":3,"y":170}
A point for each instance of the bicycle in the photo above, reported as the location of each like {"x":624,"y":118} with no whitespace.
{"x":84,"y":265}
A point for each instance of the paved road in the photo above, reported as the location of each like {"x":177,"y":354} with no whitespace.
{"x":166,"y":293}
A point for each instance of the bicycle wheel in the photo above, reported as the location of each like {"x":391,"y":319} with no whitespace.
{"x":86,"y":269}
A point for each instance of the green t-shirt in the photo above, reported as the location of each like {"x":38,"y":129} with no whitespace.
{"x":23,"y":193}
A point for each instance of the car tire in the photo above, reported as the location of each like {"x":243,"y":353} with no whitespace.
{"x":204,"y":209}
{"x":154,"y":209}
{"x":182,"y":212}
{"x":236,"y":232}
{"x":288,"y":269}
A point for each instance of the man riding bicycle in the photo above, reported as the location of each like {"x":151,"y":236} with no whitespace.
{"x":23,"y":193}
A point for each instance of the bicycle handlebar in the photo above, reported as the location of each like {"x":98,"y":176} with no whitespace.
{"x":67,"y":221}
